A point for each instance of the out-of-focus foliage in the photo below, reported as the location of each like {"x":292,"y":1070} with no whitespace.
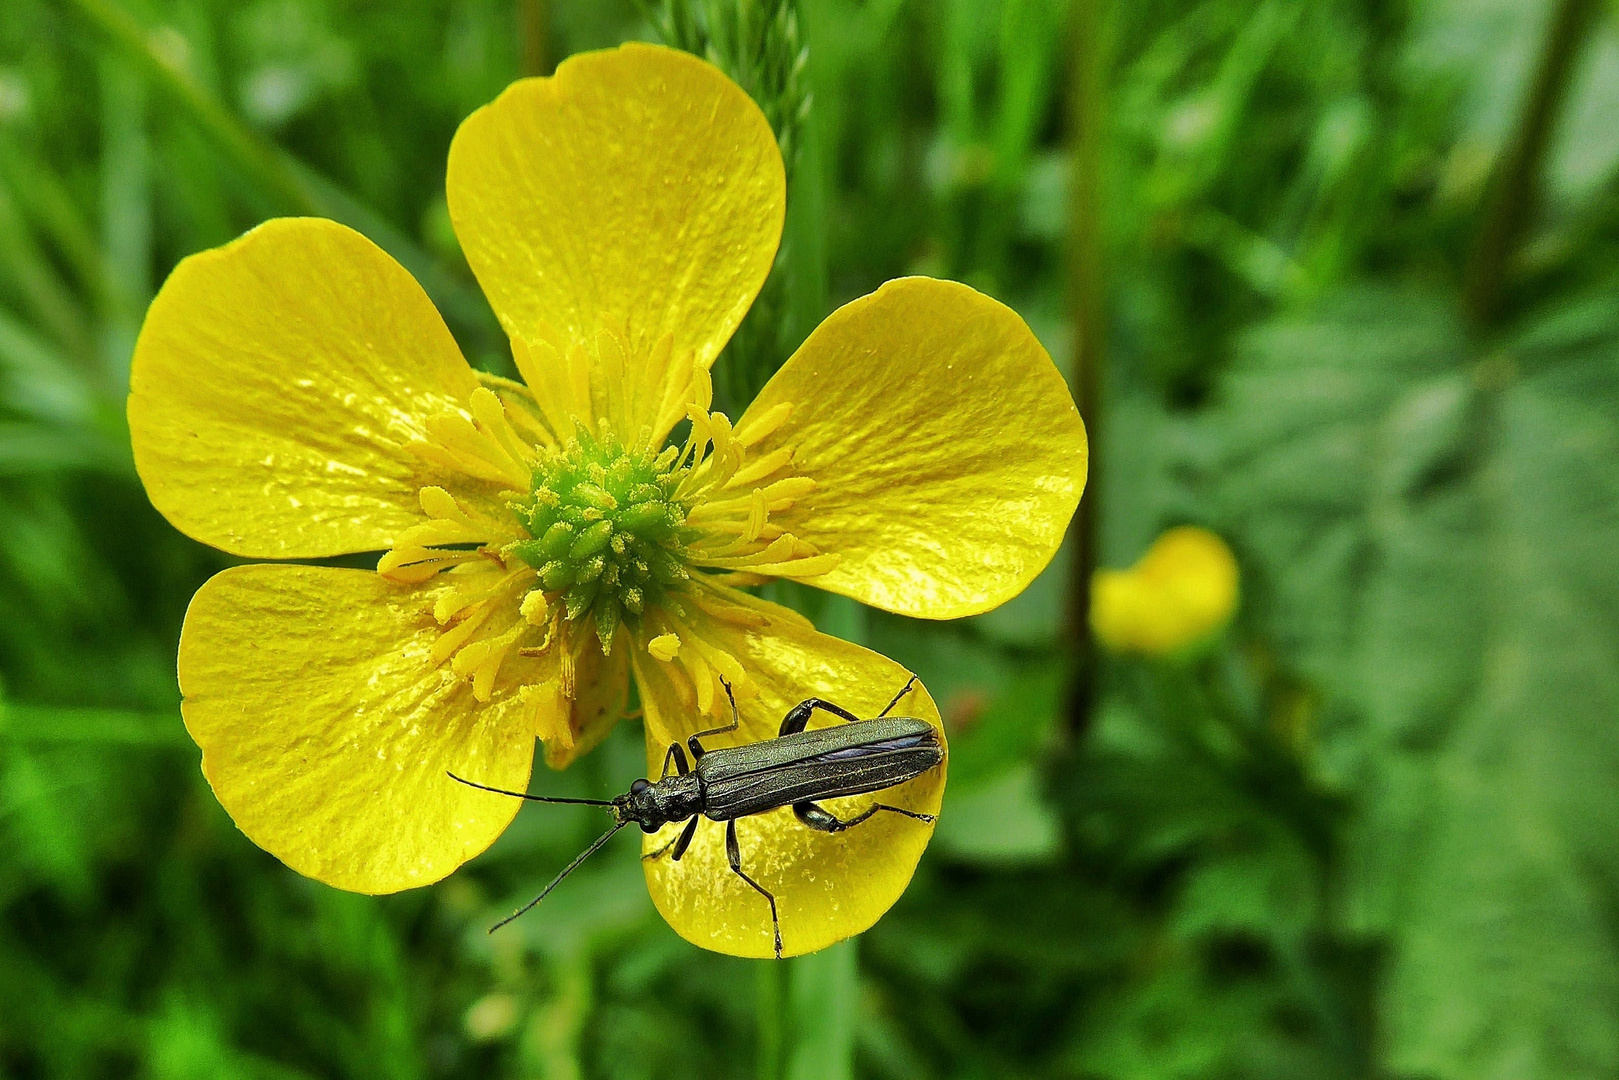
{"x":1370,"y":833}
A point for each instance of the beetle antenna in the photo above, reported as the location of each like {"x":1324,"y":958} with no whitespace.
{"x":566,"y":870}
{"x":526,"y":795}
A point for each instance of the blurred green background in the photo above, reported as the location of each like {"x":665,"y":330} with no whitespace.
{"x":1343,"y":275}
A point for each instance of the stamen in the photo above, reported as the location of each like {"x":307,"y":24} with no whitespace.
{"x":756,"y":516}
{"x":702,"y":678}
{"x":412,"y":565}
{"x":767,"y":465}
{"x":702,"y":389}
{"x":490,"y":415}
{"x":755,"y":429}
{"x":704,"y":664}
{"x":534,"y":608}
{"x":482,"y":660}
{"x":549,"y":711}
{"x":569,"y":671}
{"x":433,"y":533}
{"x":458,"y":635}
{"x":664,"y":647}
{"x":523,"y":410}
{"x":476,"y":451}
{"x":470,"y":584}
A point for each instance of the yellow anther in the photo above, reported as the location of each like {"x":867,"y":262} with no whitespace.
{"x":664,"y":647}
{"x":757,"y":428}
{"x":756,"y":516}
{"x":438,"y":503}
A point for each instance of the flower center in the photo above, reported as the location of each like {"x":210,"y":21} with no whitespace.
{"x":542,"y":539}
{"x":605,"y":527}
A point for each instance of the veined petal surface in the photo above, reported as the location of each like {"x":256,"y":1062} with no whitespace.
{"x":275,"y":384}
{"x":946,"y":450}
{"x":327,"y":730}
{"x":827,"y":886}
{"x":637,"y":192}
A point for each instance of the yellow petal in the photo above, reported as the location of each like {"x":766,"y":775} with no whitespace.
{"x":327,"y":730}
{"x":827,"y":886}
{"x":639,"y":192}
{"x":274,"y":385}
{"x":1181,"y":591}
{"x":946,"y":451}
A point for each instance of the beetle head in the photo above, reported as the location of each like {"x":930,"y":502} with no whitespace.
{"x":640,"y":805}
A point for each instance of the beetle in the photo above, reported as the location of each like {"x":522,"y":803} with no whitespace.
{"x":796,"y":768}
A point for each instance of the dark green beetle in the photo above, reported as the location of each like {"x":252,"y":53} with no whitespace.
{"x":795,"y":769}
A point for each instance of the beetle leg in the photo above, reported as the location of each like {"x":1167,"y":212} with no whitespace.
{"x":659,"y":852}
{"x":798,"y":716}
{"x":733,"y":855}
{"x":683,"y":841}
{"x":906,"y":689}
{"x":678,"y":755}
{"x":697,"y":750}
{"x":679,"y":843}
{"x":818,"y":817}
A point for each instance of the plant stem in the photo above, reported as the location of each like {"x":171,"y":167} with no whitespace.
{"x":823,"y":996}
{"x":1085,"y":269}
{"x":808,"y":290}
{"x":534,"y":32}
{"x":1515,"y":184}
{"x":769,"y":978}
{"x":822,"y":988}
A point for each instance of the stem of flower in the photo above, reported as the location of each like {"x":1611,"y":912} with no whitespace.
{"x":534,"y":32}
{"x":823,"y":995}
{"x":769,"y":980}
{"x":1085,"y":241}
{"x":1515,"y":184}
{"x":807,"y":289}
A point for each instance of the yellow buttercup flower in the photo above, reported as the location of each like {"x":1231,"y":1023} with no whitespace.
{"x":1176,"y":596}
{"x":295,"y":395}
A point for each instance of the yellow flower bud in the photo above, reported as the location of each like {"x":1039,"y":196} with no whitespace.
{"x":1183,"y":590}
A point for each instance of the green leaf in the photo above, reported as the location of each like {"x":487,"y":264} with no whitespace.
{"x":1003,"y":822}
{"x":1433,"y":536}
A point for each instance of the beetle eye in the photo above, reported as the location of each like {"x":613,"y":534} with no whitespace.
{"x":639,"y":786}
